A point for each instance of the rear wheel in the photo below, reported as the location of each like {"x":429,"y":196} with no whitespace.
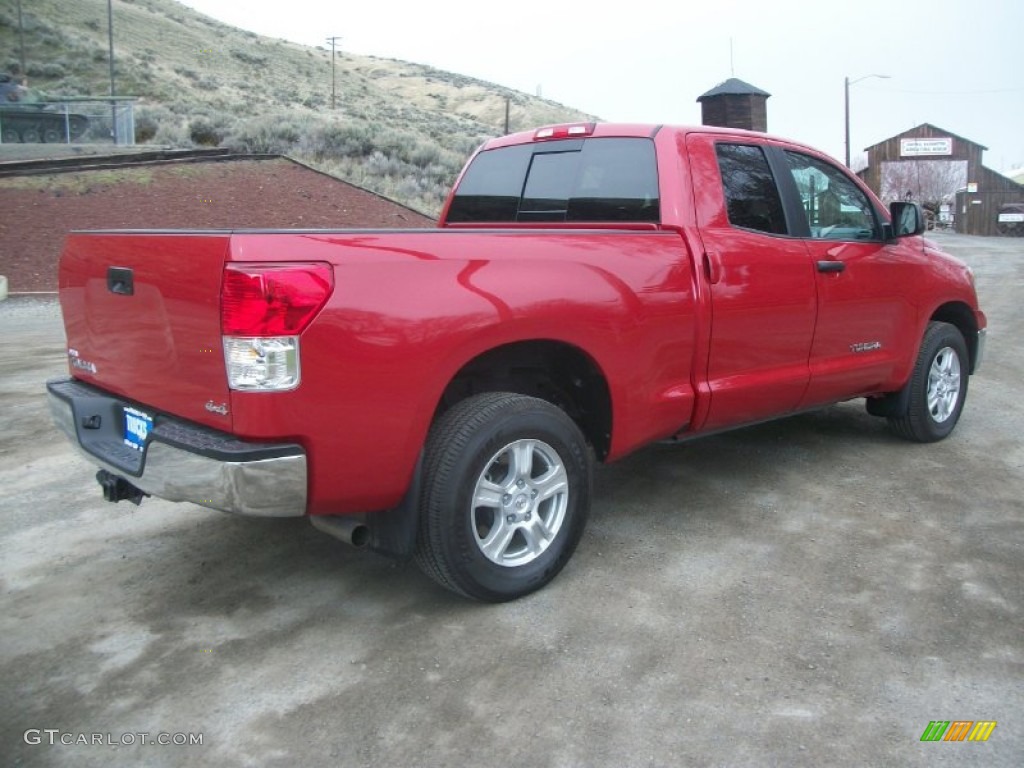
{"x":938,"y":386}
{"x":506,"y":496}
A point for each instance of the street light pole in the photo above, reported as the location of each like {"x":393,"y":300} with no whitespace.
{"x":332,"y":41}
{"x":847,"y":82}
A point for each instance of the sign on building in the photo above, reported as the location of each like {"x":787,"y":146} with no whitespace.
{"x":925,"y":147}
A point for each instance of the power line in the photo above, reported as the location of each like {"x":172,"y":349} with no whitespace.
{"x":946,"y":93}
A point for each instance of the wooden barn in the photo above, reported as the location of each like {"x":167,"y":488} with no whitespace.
{"x":937,"y":168}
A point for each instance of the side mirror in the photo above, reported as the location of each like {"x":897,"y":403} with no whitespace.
{"x":907,"y":219}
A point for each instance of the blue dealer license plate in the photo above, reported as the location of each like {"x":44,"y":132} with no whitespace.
{"x":137,"y":426}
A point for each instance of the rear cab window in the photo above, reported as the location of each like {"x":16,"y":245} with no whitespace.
{"x":572,"y":180}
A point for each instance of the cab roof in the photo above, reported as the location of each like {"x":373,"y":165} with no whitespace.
{"x":583,"y":130}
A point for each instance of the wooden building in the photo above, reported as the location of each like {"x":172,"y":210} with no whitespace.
{"x":735,"y":104}
{"x":932,"y":165}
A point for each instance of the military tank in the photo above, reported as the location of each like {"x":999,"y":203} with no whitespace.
{"x":25,"y":117}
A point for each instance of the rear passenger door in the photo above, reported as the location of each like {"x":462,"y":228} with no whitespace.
{"x":761,"y":283}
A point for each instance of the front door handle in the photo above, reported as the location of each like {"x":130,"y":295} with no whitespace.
{"x":831,"y":266}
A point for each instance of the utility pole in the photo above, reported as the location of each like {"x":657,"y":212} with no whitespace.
{"x":846,"y":117}
{"x":21,"y":39}
{"x":110,"y":35}
{"x":333,"y":41}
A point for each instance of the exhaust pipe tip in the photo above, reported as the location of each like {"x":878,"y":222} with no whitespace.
{"x":347,"y":528}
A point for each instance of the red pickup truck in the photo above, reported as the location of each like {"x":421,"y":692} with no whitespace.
{"x":443,"y":394}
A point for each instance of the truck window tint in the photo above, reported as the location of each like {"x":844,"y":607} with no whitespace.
{"x":751,"y":196}
{"x":617,"y":181}
{"x":835,"y":207}
{"x":576,"y":180}
{"x":548,"y":186}
{"x":491,"y":186}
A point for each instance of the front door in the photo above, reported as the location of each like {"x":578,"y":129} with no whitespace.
{"x":864,"y":284}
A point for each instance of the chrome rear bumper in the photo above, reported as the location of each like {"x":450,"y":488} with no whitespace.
{"x":183,"y":461}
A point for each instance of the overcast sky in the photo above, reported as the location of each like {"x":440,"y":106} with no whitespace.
{"x":953,"y":63}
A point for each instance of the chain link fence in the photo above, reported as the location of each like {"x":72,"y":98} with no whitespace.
{"x":69,"y":121}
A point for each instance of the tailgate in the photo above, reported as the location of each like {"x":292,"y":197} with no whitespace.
{"x":142,"y":316}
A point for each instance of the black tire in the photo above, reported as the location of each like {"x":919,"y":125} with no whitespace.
{"x":494,"y":445}
{"x":937,"y":388}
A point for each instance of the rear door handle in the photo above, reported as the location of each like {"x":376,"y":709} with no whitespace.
{"x":826,"y":265}
{"x":121,"y":280}
{"x":712,"y":267}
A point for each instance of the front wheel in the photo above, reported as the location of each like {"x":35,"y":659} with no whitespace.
{"x":507,"y":483}
{"x":938,"y":386}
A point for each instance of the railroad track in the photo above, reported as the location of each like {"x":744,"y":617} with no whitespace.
{"x":99,"y":162}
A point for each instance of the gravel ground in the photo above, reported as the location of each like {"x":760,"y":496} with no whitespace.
{"x":809,"y":592}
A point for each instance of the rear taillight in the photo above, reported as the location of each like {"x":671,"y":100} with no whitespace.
{"x":272,"y":300}
{"x":264,"y":308}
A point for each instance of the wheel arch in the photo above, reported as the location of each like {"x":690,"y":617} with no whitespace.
{"x":561,"y":373}
{"x":961,"y":316}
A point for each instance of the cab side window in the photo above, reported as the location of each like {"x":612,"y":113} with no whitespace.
{"x":751,"y":196}
{"x":835,"y":207}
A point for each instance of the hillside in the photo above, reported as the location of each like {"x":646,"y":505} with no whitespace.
{"x":399,"y":128}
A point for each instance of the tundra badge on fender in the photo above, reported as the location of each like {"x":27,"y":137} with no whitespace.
{"x":866,"y":346}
